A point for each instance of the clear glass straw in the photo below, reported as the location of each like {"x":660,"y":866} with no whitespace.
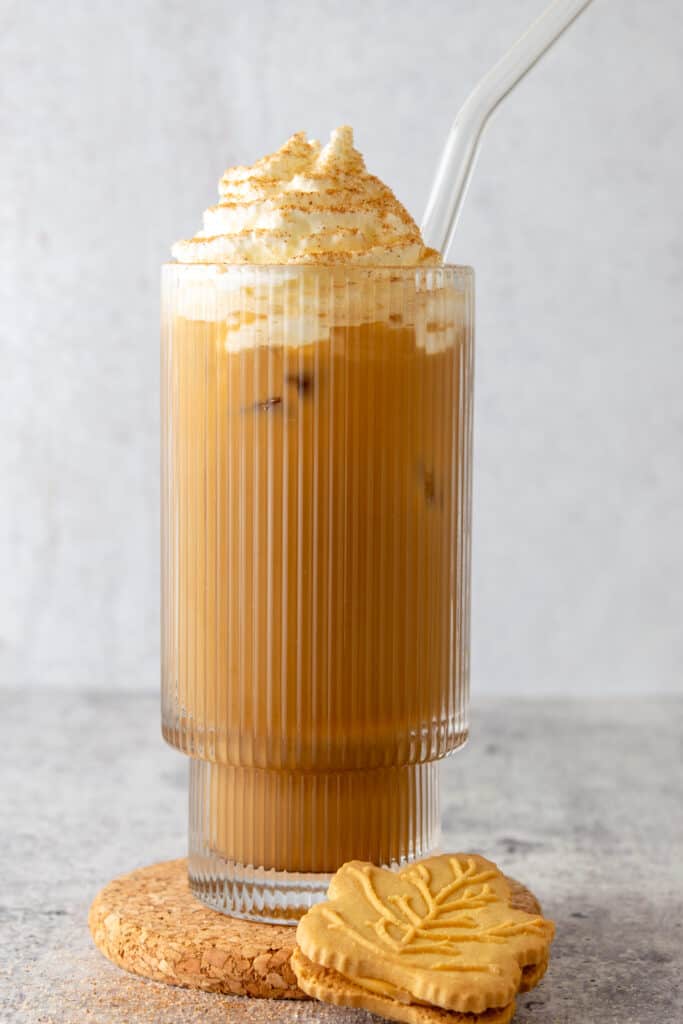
{"x":460,"y":152}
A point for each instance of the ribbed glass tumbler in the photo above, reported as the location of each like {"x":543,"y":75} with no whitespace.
{"x":317,"y":447}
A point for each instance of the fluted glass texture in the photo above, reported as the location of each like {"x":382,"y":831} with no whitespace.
{"x":316,"y":495}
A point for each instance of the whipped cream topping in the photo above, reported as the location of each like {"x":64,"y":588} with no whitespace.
{"x":307,"y":204}
{"x":294,"y":307}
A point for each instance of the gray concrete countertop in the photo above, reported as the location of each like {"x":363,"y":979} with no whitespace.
{"x":583,"y":802}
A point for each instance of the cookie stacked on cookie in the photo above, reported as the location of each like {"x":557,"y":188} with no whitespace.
{"x":447,"y":940}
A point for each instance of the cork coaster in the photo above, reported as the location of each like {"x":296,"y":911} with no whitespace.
{"x":149,"y":923}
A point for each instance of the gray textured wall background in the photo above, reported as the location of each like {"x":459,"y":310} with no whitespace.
{"x":116,"y":122}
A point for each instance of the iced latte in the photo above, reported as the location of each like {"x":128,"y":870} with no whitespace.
{"x":316,"y":377}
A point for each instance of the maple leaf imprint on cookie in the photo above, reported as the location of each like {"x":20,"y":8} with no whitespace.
{"x":445,"y":921}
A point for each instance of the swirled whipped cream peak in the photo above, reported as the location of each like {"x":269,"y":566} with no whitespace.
{"x":307,"y":204}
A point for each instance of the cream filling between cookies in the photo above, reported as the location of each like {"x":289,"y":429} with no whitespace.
{"x":385,"y":988}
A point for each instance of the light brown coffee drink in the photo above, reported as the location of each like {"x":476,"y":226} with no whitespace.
{"x":317,"y":451}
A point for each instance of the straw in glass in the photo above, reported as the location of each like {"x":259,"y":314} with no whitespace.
{"x":460,"y":152}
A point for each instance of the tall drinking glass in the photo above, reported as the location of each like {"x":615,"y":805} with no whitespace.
{"x":317,"y":448}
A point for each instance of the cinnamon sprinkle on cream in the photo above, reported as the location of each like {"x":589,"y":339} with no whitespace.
{"x":307,"y":204}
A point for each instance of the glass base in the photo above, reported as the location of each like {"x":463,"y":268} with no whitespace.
{"x":255,"y":894}
{"x":264,"y":844}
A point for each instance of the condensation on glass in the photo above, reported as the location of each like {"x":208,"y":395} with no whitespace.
{"x":316,"y":497}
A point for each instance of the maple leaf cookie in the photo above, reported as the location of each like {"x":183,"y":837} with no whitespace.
{"x":444,"y":934}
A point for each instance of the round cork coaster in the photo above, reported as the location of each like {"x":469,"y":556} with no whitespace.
{"x":149,"y":923}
